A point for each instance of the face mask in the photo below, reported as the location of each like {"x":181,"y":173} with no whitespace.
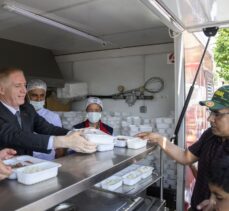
{"x":94,"y":117}
{"x":37,"y":104}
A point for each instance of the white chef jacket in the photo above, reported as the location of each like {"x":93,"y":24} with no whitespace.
{"x":54,"y":119}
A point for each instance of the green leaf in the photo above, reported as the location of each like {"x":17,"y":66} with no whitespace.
{"x":221,"y":53}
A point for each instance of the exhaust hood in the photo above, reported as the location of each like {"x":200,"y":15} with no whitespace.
{"x":36,"y":62}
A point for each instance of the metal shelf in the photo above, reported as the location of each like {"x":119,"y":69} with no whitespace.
{"x":98,"y":200}
{"x":159,"y":205}
{"x":133,"y":190}
{"x":79,"y":172}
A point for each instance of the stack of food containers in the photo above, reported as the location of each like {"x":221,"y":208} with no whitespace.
{"x":71,"y":118}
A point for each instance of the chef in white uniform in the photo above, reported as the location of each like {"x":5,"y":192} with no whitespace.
{"x":36,"y":92}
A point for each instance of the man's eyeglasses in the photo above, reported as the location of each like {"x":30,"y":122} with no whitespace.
{"x":216,"y":113}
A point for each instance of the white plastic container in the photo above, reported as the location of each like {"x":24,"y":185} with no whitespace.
{"x":112,"y":183}
{"x":145,"y":128}
{"x":161,"y":131}
{"x":133,"y":133}
{"x":131,"y":178}
{"x":146,"y":121}
{"x":159,"y":120}
{"x":105,"y":147}
{"x":90,"y":131}
{"x":24,"y":160}
{"x":99,"y":139}
{"x":169,"y":131}
{"x":103,"y":142}
{"x":38,"y":172}
{"x":163,"y":125}
{"x":121,"y":141}
{"x":75,"y":89}
{"x":145,"y":171}
{"x":168,"y":120}
{"x":134,"y":128}
{"x":136,"y":143}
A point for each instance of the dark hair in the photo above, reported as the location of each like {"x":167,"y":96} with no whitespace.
{"x":7,"y":71}
{"x":219,"y":173}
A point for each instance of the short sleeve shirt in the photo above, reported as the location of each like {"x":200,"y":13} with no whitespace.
{"x":208,"y":148}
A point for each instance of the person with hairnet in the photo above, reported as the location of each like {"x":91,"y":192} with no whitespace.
{"x":36,"y":92}
{"x":94,"y":109}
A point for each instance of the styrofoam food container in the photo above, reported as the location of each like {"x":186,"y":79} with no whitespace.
{"x":29,"y":175}
{"x":131,"y":178}
{"x":112,"y":183}
{"x":25,"y":160}
{"x":168,"y":120}
{"x":133,"y":127}
{"x":163,"y":125}
{"x":105,"y":147}
{"x":121,"y":141}
{"x":90,"y":131}
{"x":161,"y":131}
{"x":99,"y":139}
{"x":146,"y":121}
{"x":145,"y":171}
{"x":136,"y":143}
{"x":133,"y":133}
{"x":145,"y":127}
{"x":159,"y":120}
{"x":169,"y":131}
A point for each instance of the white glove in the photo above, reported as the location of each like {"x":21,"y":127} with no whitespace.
{"x":74,"y":141}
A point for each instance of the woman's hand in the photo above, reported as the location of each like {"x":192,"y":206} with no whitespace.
{"x":152,"y":137}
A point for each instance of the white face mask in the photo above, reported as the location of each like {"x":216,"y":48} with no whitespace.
{"x":37,"y":104}
{"x":94,"y":117}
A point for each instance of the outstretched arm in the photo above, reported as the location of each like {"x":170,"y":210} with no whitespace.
{"x":182,"y":156}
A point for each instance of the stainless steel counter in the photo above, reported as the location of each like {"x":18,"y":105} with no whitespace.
{"x":78,"y":173}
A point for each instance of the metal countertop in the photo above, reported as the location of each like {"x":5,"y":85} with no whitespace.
{"x":78,"y":173}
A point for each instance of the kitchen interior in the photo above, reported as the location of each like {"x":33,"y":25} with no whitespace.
{"x":123,"y":56}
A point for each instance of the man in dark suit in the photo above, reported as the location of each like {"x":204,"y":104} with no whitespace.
{"x":19,"y":121}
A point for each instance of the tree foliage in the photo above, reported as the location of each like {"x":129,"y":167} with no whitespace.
{"x":221,"y":53}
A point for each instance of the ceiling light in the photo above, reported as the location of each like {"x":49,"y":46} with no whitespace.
{"x":42,"y":19}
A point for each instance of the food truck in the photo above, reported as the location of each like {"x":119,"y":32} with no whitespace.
{"x":140,"y":57}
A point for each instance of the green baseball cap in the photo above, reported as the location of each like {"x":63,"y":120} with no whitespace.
{"x":220,"y":99}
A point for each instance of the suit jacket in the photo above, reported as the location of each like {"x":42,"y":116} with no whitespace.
{"x":23,"y":140}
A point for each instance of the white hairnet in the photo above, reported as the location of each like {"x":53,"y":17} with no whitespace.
{"x":94,"y":100}
{"x":36,"y":84}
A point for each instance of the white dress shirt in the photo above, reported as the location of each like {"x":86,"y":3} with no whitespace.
{"x":52,"y":118}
